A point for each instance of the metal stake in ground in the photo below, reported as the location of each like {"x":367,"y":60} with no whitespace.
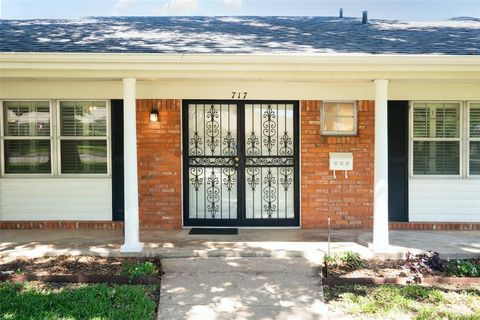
{"x":328,"y":236}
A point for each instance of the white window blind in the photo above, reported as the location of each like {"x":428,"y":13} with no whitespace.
{"x":436,"y":138}
{"x":474,"y":139}
{"x":83,"y":118}
{"x":27,"y":137}
{"x":83,"y":140}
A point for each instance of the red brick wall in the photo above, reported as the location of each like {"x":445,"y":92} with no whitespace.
{"x":348,"y":202}
{"x":104,"y":225}
{"x":159,"y":164}
{"x":433,"y":226}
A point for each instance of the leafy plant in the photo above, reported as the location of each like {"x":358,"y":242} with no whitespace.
{"x":462,"y":268}
{"x":19,"y":271}
{"x":352,"y":260}
{"x":330,"y":259}
{"x":135,"y":270}
{"x":417,"y":264}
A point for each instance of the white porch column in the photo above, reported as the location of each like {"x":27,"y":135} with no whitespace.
{"x":132,"y":233}
{"x":380,"y":200}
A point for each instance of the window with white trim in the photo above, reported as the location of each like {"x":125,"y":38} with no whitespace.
{"x":27,"y":137}
{"x":83,"y":137}
{"x":76,"y":141}
{"x":474,"y":138}
{"x":339,"y":118}
{"x":436,"y":138}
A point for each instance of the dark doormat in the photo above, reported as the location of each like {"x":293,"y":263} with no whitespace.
{"x":213,"y":231}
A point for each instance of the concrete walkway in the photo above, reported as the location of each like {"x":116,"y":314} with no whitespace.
{"x":241,"y":288}
{"x":309,"y":244}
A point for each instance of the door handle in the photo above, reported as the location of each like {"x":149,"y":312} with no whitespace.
{"x":236,"y":161}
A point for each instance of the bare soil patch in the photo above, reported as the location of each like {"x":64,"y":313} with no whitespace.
{"x":60,"y":265}
{"x":384,"y":269}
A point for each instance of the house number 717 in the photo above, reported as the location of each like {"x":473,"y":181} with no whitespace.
{"x":239,"y":95}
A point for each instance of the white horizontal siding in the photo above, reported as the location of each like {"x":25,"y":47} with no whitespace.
{"x":55,"y":199}
{"x":444,"y":200}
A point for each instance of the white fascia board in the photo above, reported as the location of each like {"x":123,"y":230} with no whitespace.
{"x":144,"y":64}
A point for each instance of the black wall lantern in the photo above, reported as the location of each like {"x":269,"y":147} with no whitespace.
{"x":154,"y":115}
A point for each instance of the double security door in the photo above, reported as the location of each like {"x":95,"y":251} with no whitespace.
{"x":240,"y":163}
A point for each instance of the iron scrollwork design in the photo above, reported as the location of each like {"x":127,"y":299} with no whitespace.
{"x":269,"y":129}
{"x":253,"y":177}
{"x":213,"y":194}
{"x":196,"y":177}
{"x":286,"y":145}
{"x":286,"y":178}
{"x":269,"y":194}
{"x":230,"y":146}
{"x":269,"y":161}
{"x":213,"y":128}
{"x":197,"y":143}
{"x":209,"y":162}
{"x":229,"y":179}
{"x":253,"y":145}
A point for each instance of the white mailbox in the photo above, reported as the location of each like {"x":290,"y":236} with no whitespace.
{"x":341,"y":161}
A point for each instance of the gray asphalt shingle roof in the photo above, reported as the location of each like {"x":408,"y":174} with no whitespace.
{"x":241,"y":35}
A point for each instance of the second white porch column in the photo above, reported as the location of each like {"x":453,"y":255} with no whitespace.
{"x":132,"y":232}
{"x":380,"y":200}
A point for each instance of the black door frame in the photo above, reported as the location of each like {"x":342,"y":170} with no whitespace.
{"x":241,"y":221}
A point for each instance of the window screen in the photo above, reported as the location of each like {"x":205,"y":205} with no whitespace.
{"x":474,"y":139}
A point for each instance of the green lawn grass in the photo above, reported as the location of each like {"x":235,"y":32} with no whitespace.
{"x":34,"y":301}
{"x":404,"y":302}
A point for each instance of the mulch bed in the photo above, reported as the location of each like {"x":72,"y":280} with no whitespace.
{"x":75,"y":269}
{"x":379,"y":272}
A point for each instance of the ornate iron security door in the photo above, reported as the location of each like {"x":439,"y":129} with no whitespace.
{"x":240,"y":163}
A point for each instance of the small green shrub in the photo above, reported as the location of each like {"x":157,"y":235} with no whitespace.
{"x":352,"y":260}
{"x":19,"y":271}
{"x":330,"y":259}
{"x":139,"y":269}
{"x":462,"y":268}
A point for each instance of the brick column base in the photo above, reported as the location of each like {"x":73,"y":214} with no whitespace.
{"x":103,"y":225}
{"x":440,"y":226}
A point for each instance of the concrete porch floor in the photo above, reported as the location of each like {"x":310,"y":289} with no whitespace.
{"x":310,"y":244}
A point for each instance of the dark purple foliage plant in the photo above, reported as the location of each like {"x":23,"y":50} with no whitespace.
{"x":418,"y":264}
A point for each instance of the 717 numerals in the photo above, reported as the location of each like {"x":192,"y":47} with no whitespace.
{"x":239,"y":95}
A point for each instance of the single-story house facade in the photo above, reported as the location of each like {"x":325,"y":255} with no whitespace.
{"x":272,"y":122}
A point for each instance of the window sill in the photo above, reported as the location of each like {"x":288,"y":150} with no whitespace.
{"x":48,"y":176}
{"x":439,"y":177}
{"x":342,"y":134}
{"x":435,"y":177}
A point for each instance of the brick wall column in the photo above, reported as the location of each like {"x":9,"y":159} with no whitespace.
{"x":159,"y":164}
{"x":348,"y":202}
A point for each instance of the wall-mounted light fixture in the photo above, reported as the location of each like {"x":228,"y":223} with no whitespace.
{"x":154,"y":115}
